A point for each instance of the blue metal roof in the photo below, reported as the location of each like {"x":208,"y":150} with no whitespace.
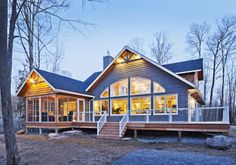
{"x":185,"y":66}
{"x":91,"y":78}
{"x":63,"y":83}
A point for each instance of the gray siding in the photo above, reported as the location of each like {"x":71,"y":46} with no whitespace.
{"x":145,"y":69}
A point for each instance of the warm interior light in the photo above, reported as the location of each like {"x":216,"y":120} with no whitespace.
{"x":119,"y":60}
{"x":32,"y":80}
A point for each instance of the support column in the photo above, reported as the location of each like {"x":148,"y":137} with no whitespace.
{"x":135,"y":134}
{"x":40,"y":131}
{"x":179,"y":136}
{"x":56,"y":130}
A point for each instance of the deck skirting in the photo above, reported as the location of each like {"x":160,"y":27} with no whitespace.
{"x":177,"y":126}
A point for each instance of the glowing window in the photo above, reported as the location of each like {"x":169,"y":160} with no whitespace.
{"x":165,"y":103}
{"x":105,"y":93}
{"x":96,"y":107}
{"x":140,"y":105}
{"x":119,"y":106}
{"x":119,"y":88}
{"x":140,"y":85}
{"x":157,"y":88}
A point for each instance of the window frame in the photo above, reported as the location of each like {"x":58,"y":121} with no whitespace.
{"x":147,"y":96}
{"x":165,"y":113}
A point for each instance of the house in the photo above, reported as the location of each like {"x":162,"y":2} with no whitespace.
{"x":132,"y":92}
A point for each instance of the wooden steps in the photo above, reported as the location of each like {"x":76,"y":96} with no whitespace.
{"x":110,"y":130}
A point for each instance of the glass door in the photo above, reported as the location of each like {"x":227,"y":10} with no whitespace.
{"x":81,"y":110}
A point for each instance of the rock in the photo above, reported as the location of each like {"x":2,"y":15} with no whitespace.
{"x":52,"y":135}
{"x":57,"y":137}
{"x":72,"y":133}
{"x":20,"y":132}
{"x":148,"y":141}
{"x":221,"y":142}
{"x":127,"y":139}
{"x":232,"y":131}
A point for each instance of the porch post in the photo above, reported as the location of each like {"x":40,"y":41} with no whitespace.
{"x":56,"y":109}
{"x":147,"y":116}
{"x":226,"y":114}
{"x":197,"y":115}
{"x":93,"y":117}
{"x":170,"y":115}
{"x":26,"y":109}
{"x":40,"y":113}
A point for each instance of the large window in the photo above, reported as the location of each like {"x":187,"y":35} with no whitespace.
{"x":140,"y":85}
{"x":139,"y":105}
{"x":119,"y":106}
{"x":119,"y":88}
{"x":48,"y":109}
{"x":100,"y":106}
{"x":165,"y":103}
{"x":67,"y":108}
{"x":157,"y":88}
{"x":33,"y":109}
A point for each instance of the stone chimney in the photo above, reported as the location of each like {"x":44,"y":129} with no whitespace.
{"x":107,"y":60}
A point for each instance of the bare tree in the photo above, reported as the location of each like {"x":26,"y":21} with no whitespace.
{"x":137,"y":44}
{"x":206,"y":79}
{"x":161,"y":48}
{"x":195,"y":38}
{"x":231,"y":76}
{"x":36,"y":30}
{"x":227,"y":28}
{"x":6,"y":51}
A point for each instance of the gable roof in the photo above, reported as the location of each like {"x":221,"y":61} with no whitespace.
{"x":189,"y":66}
{"x":145,"y":58}
{"x":60,"y":83}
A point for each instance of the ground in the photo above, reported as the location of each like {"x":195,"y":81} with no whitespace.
{"x":86,"y":149}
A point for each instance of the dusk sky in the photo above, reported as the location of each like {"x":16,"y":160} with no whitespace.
{"x":117,"y":22}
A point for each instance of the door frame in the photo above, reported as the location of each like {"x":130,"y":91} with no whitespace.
{"x":78,"y":110}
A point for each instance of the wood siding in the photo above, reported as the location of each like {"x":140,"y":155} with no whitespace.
{"x":189,"y":76}
{"x":40,"y":87}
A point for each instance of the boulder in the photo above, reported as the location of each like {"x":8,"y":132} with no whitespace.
{"x":52,"y":135}
{"x":126,"y":138}
{"x":20,"y":132}
{"x":221,"y":142}
{"x":72,"y":133}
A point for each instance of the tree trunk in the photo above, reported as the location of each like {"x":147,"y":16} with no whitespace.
{"x":6,"y":48}
{"x":213,"y":81}
{"x":222,"y":85}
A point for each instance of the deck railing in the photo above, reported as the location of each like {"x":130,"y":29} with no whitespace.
{"x":101,"y":122}
{"x":201,"y":114}
{"x":82,"y":116}
{"x":123,"y":122}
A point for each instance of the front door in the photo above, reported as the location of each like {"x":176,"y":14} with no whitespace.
{"x":81,"y":110}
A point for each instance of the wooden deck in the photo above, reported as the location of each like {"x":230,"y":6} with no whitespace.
{"x":174,"y":126}
{"x":188,"y":127}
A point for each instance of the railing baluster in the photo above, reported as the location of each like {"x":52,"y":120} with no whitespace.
{"x":170,"y":115}
{"x":197,"y":114}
